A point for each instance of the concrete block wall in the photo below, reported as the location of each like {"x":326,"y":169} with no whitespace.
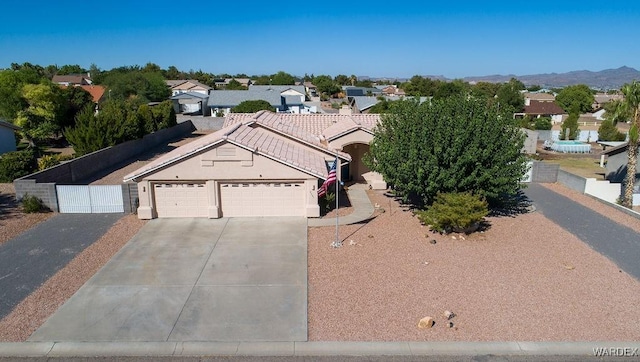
{"x":572,"y":181}
{"x":44,"y":191}
{"x":207,"y":123}
{"x":544,"y":172}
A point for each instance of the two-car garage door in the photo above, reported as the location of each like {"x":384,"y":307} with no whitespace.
{"x":238,"y":199}
{"x":262,"y":199}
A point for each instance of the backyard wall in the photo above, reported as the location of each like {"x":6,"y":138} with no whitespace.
{"x":79,"y":170}
{"x":544,"y":172}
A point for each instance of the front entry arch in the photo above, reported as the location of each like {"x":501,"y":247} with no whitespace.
{"x":357,"y":167}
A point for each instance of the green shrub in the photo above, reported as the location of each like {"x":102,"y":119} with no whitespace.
{"x":32,"y":204}
{"x":454,"y":212}
{"x":17,"y":164}
{"x":48,"y":161}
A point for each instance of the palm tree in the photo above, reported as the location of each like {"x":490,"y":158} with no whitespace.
{"x":629,"y":110}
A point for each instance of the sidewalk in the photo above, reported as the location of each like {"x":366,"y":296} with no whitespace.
{"x":362,"y":208}
{"x":183,"y":349}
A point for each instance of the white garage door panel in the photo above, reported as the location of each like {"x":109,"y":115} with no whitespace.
{"x":262,"y":199}
{"x":181,"y":200}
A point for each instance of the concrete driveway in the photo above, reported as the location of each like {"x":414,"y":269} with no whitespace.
{"x":238,"y":279}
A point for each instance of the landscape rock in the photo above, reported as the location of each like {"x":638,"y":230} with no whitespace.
{"x":449,"y":314}
{"x":433,"y":241}
{"x":426,"y":322}
{"x":450,"y":324}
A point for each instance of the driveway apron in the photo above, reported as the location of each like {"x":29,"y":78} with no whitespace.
{"x":34,"y":256}
{"x":238,"y":279}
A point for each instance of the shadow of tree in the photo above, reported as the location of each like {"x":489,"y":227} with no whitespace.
{"x":513,"y":205}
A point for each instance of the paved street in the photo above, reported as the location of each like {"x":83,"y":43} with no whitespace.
{"x":31,"y":258}
{"x":615,"y":241}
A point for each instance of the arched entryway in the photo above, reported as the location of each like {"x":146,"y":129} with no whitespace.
{"x":355,"y":169}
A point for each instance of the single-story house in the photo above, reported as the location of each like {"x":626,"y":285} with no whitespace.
{"x":351,"y":91}
{"x":191,"y":103}
{"x":72,"y":79}
{"x":537,"y":109}
{"x":7,"y":137}
{"x":289,"y":99}
{"x":311,"y":89}
{"x":188,"y":86}
{"x":361,"y":104}
{"x":262,"y":164}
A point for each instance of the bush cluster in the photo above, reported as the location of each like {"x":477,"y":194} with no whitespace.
{"x":48,"y":161}
{"x":17,"y":164}
{"x":32,"y":204}
{"x":454,"y":212}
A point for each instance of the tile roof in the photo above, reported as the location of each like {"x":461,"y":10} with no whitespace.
{"x":315,"y":124}
{"x":256,"y":139}
{"x":96,"y":91}
{"x":542,"y":108}
{"x":190,"y":84}
{"x":72,"y":79}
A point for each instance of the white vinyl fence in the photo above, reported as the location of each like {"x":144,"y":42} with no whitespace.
{"x":91,"y":199}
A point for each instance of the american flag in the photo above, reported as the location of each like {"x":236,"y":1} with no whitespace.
{"x":330,"y":179}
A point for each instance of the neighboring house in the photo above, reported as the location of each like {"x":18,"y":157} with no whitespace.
{"x":311,"y":89}
{"x":223,"y":83}
{"x":393,"y":91}
{"x":362,"y":104}
{"x":189,"y":86}
{"x":97,"y":91}
{"x":537,"y":109}
{"x":7,"y":137}
{"x":361,"y":91}
{"x":538,"y":97}
{"x":600,"y":99}
{"x":191,"y":103}
{"x":289,"y":99}
{"x":259,"y":166}
{"x":72,"y":79}
{"x":617,"y":160}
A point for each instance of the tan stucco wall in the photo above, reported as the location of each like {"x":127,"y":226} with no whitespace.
{"x":358,"y":136}
{"x":347,"y":143}
{"x":223,"y":164}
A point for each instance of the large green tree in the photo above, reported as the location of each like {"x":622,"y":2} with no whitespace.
{"x":509,"y":94}
{"x":454,"y":144}
{"x":569,"y":127}
{"x":628,"y":110}
{"x":579,"y":95}
{"x":252,"y":106}
{"x":124,"y":83}
{"x":43,"y":115}
{"x":282,"y":78}
{"x":326,"y":85}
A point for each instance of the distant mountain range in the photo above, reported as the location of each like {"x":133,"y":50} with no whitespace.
{"x":604,"y":79}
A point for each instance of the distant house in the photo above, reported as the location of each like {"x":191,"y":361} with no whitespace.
{"x":97,"y":91}
{"x":600,"y":99}
{"x":189,"y":86}
{"x":224,"y":82}
{"x":7,"y":137}
{"x":362,"y":104}
{"x":538,"y":109}
{"x":538,"y":96}
{"x":287,"y":99}
{"x":311,"y":89}
{"x":361,"y":91}
{"x":191,"y":103}
{"x":72,"y":79}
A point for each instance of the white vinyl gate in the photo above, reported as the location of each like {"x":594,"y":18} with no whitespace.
{"x":91,"y":199}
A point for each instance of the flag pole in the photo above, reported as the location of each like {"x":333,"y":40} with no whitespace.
{"x":336,"y":244}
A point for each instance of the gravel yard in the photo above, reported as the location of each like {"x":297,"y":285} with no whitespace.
{"x":13,"y":221}
{"x":34,"y":310}
{"x":525,"y":278}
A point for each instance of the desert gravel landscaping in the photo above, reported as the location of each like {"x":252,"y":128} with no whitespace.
{"x":524,"y":278}
{"x":13,"y":221}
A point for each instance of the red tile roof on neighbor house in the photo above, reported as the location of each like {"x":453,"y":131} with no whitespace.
{"x":255,"y":139}
{"x":96,"y":91}
{"x":543,"y":108}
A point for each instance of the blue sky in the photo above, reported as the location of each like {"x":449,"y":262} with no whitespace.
{"x":374,"y":38}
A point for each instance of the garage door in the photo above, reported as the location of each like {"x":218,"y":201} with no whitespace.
{"x":262,"y":199}
{"x":181,"y":200}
